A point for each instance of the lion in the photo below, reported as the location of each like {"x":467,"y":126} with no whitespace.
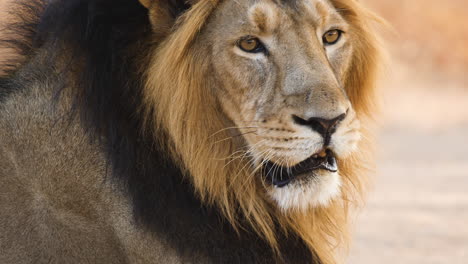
{"x":171,"y":131}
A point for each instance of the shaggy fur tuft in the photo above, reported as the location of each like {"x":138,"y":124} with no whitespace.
{"x":141,"y":92}
{"x":177,"y":62}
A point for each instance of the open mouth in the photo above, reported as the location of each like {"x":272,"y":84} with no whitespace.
{"x":280,"y":176}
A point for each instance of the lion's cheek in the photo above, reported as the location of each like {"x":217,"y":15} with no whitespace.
{"x":346,"y":139}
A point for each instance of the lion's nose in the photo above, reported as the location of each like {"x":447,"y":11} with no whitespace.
{"x":325,"y":127}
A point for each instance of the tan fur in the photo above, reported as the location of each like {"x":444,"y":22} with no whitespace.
{"x":56,"y":206}
{"x":204,"y":144}
{"x":56,"y":175}
{"x":146,"y":3}
{"x":322,"y":11}
{"x":265,"y":17}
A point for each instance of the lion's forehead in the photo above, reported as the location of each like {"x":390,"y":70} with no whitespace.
{"x":276,"y":23}
{"x":296,"y":71}
{"x":268,"y":15}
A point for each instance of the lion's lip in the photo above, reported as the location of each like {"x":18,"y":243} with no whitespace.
{"x":280,"y":176}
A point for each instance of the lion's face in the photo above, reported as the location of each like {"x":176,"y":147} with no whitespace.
{"x":279,"y":67}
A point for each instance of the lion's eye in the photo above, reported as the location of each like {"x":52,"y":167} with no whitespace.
{"x":251,"y":44}
{"x":331,"y":37}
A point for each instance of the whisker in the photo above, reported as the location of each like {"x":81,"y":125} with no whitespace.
{"x":235,"y":136}
{"x":244,"y":167}
{"x":258,"y":167}
{"x":245,"y":153}
{"x":233,"y":127}
{"x":242,"y":150}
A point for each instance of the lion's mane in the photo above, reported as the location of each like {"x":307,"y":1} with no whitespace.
{"x":195,"y":126}
{"x":165,"y":100}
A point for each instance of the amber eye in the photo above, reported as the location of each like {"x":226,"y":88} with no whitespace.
{"x":251,"y":44}
{"x":331,"y":37}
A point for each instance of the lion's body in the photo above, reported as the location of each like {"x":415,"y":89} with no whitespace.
{"x":58,"y":207}
{"x":99,"y":165}
{"x":38,"y":161}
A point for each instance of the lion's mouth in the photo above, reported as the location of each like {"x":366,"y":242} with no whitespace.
{"x":280,"y":176}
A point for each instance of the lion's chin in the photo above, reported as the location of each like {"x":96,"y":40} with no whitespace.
{"x":316,"y":190}
{"x":313,"y":182}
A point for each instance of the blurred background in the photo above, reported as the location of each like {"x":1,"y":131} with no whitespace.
{"x":417,"y":210}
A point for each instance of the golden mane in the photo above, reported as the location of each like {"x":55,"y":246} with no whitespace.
{"x":179,"y":99}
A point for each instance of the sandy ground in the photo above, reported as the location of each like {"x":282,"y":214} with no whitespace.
{"x":417,"y":211}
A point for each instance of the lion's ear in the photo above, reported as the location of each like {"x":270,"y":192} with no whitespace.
{"x":164,"y":13}
{"x":145,"y":3}
{"x":175,"y":3}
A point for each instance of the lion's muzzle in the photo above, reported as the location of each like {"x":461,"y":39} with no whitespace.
{"x":325,"y":127}
{"x":282,"y":176}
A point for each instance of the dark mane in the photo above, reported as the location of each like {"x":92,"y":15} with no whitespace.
{"x":104,"y":45}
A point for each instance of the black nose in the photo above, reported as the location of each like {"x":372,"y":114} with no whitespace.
{"x":325,"y":127}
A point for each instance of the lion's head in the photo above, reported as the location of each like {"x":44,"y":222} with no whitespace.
{"x":263,"y":103}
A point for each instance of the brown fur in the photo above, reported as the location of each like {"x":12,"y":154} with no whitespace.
{"x":52,"y":187}
{"x":56,"y":175}
{"x":224,"y":182}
